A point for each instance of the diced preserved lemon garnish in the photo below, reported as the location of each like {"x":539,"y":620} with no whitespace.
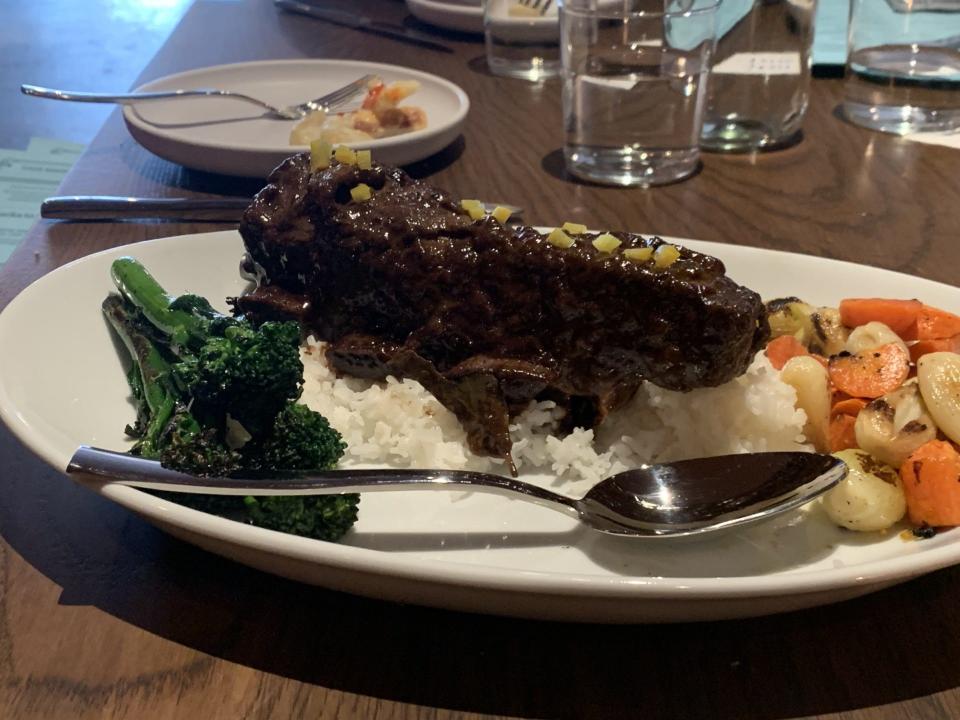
{"x":641,"y":254}
{"x":574,"y":228}
{"x":606,"y":243}
{"x":361,"y":192}
{"x":345,"y":155}
{"x":474,"y":208}
{"x":559,"y":238}
{"x":320,"y":155}
{"x":364,"y":159}
{"x":501,"y":214}
{"x":665,"y":255}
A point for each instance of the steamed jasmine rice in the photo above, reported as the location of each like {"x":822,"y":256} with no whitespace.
{"x":398,"y":423}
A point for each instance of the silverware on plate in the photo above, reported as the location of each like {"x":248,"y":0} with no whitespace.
{"x":331,"y":100}
{"x":685,"y":498}
{"x":541,"y":6}
{"x":106,"y":207}
{"x":360,"y":22}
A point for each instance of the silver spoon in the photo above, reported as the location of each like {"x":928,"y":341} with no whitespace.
{"x":689,"y":497}
{"x":288,"y":112}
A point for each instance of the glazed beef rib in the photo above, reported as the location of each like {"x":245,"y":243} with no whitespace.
{"x":487,"y":317}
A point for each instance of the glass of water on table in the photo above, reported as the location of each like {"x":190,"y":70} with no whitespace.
{"x":634,"y":87}
{"x":903,"y":65}
{"x":760,"y":79}
{"x":522,"y":38}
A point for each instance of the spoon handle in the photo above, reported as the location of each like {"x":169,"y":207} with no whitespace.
{"x":106,"y":466}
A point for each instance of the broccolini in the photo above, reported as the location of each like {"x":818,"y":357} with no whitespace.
{"x":216,"y":396}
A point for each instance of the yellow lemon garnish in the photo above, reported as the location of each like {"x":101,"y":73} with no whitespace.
{"x":361,"y":192}
{"x":640,"y":254}
{"x":606,"y":243}
{"x":560,"y":239}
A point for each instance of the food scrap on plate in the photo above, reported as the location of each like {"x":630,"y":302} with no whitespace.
{"x":380,"y":115}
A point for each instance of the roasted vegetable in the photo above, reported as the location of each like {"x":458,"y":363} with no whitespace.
{"x":870,"y":336}
{"x":893,"y":426}
{"x":216,"y":396}
{"x":870,"y":498}
{"x":939,"y":377}
{"x":223,"y":363}
{"x":790,"y":316}
{"x":809,"y":378}
{"x":931,"y":481}
{"x":828,"y":336}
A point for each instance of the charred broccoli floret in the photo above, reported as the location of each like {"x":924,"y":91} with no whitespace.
{"x":324,"y":517}
{"x":165,"y":430}
{"x":215,"y":397}
{"x":225,"y":365}
{"x":249,"y":372}
{"x":300,"y":439}
{"x":190,"y":448}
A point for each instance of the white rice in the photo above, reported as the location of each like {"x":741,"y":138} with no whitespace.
{"x":400,"y":424}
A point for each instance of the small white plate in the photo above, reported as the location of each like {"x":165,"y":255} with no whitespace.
{"x":450,"y":16}
{"x":478,"y":553}
{"x":231,"y":137}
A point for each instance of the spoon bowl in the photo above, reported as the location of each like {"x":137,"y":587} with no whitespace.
{"x":684,"y":498}
{"x":692,"y":497}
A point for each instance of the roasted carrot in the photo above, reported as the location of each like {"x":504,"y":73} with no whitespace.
{"x":870,"y":373}
{"x":849,"y":406}
{"x":835,"y":395}
{"x":921,"y":348}
{"x":899,"y":315}
{"x":936,"y":324}
{"x":781,"y":349}
{"x":931,"y":484}
{"x":842,"y":434}
{"x":843,"y":418}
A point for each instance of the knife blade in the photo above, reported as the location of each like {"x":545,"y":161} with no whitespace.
{"x":360,"y":22}
{"x":107,"y":207}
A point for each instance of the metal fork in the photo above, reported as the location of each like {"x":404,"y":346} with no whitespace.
{"x":541,"y":6}
{"x":289,"y":112}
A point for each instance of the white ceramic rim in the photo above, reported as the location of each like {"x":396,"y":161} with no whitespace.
{"x":431,"y":131}
{"x":365,"y":560}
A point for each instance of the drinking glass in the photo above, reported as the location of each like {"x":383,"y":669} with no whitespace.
{"x":760,"y":79}
{"x":903,"y":65}
{"x":523,"y":38}
{"x":634,"y":87}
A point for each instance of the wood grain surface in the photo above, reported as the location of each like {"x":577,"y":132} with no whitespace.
{"x":103,"y":616}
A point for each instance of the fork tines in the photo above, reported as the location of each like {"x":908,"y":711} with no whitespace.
{"x":540,"y":5}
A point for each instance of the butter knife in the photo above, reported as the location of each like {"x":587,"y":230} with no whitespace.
{"x":105,"y":207}
{"x":110,"y":208}
{"x":360,"y":22}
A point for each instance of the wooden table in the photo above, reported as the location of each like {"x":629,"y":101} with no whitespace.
{"x":102,"y":616}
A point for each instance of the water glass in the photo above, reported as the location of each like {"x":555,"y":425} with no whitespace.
{"x":760,"y":80}
{"x":523,"y":38}
{"x":634,"y":88}
{"x":903,"y":65}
